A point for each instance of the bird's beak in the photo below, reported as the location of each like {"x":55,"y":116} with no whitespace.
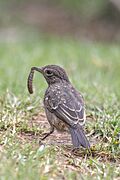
{"x":39,"y":69}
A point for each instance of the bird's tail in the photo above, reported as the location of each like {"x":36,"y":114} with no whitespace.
{"x":78,"y":137}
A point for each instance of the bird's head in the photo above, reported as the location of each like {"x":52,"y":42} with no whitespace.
{"x":52,"y":73}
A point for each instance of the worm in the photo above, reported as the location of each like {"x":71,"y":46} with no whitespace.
{"x":30,"y":80}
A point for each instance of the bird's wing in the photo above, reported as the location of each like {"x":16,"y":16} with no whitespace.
{"x":69,"y":108}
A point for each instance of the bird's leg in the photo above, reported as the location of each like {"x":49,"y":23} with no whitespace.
{"x":47,"y":134}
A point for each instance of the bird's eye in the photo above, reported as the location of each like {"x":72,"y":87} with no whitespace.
{"x":49,"y":73}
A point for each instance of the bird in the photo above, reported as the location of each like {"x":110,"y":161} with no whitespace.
{"x":64,"y":105}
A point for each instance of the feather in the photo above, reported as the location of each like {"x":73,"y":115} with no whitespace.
{"x":78,"y":137}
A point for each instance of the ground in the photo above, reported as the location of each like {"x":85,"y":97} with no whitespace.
{"x":94,"y":70}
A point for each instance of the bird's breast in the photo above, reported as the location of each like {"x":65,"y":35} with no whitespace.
{"x":55,"y":121}
{"x":59,"y":124}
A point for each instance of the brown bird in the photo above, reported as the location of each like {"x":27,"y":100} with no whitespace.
{"x":64,"y":105}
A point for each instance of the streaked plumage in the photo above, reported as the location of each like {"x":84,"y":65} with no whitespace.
{"x":64,"y":105}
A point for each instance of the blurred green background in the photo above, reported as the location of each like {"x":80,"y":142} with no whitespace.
{"x":83,"y":19}
{"x":75,"y":34}
{"x":83,"y":36}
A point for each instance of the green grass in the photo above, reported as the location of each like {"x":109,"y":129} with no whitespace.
{"x":94,"y":69}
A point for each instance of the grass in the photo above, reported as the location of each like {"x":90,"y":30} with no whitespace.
{"x":94,"y":69}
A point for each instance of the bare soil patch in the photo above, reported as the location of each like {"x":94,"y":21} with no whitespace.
{"x":56,"y":137}
{"x":62,"y":141}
